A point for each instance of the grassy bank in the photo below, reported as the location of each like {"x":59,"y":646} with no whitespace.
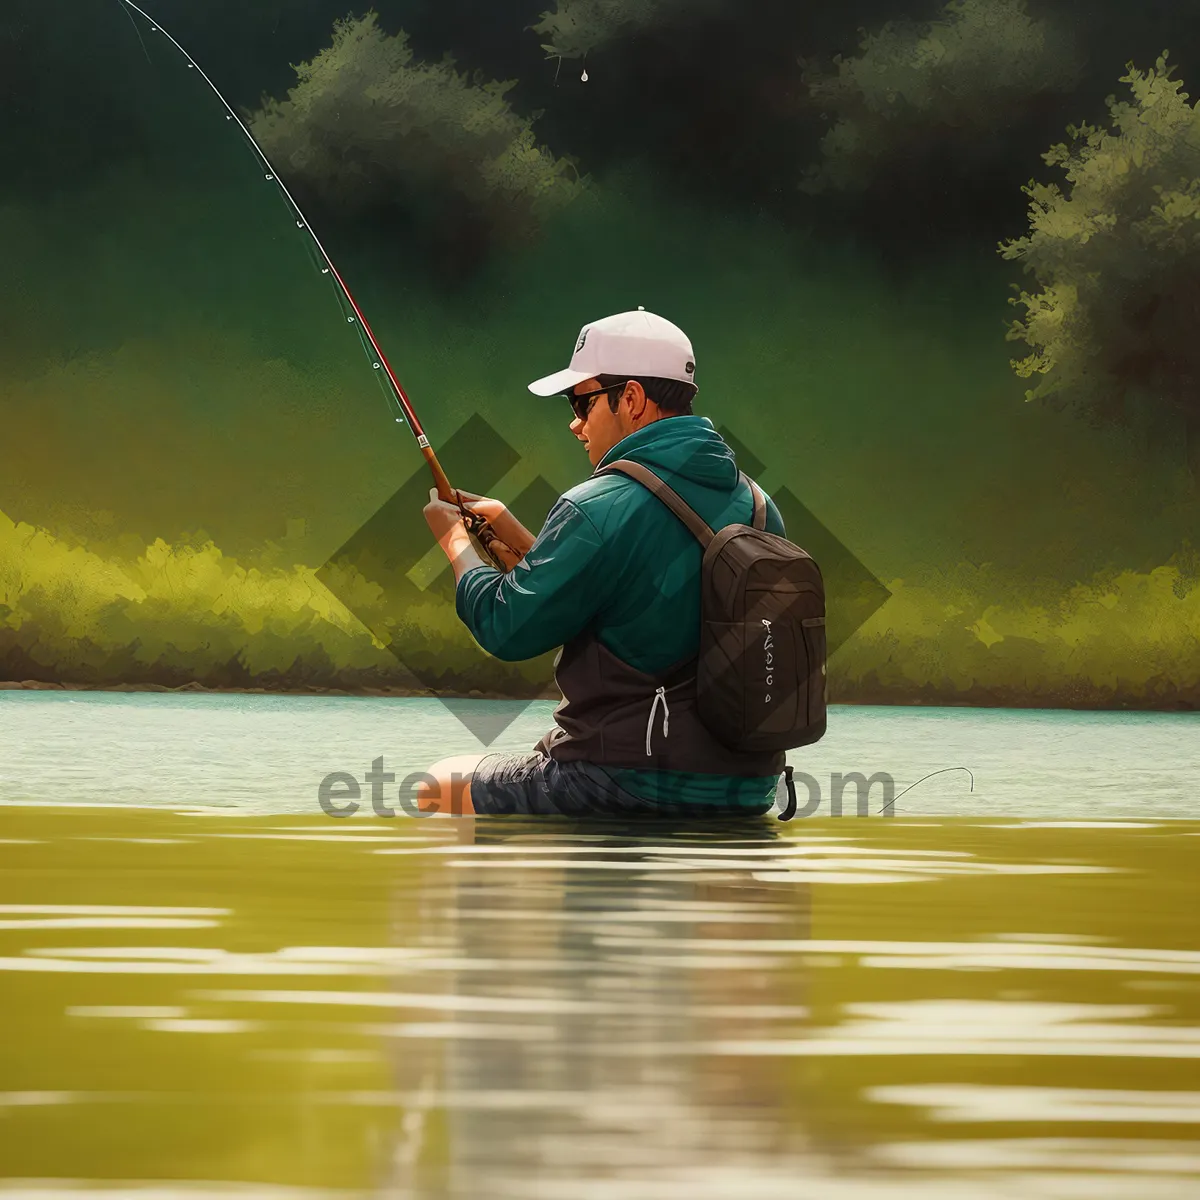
{"x":187,"y":615}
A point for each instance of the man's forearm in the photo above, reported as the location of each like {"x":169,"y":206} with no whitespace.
{"x":512,"y":533}
{"x":461,"y":552}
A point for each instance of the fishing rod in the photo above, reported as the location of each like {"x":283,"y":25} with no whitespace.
{"x":501,"y":554}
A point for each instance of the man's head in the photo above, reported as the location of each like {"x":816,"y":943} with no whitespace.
{"x":606,"y":408}
{"x":642,"y":365}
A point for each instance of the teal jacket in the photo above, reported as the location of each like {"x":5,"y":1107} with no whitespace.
{"x":613,"y":553}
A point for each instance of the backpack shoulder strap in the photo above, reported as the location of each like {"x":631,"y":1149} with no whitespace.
{"x":759,"y":519}
{"x":665,"y":493}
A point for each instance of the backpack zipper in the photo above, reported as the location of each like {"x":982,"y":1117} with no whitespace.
{"x":660,"y":694}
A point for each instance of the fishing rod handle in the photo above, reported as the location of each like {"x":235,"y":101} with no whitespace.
{"x":503,"y":556}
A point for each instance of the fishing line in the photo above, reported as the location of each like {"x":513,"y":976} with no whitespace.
{"x":301,"y":221}
{"x":389,"y":399}
{"x":931,"y":774}
{"x":138,"y":32}
{"x":501,"y":555}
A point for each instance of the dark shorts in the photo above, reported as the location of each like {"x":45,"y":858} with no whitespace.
{"x":538,"y":785}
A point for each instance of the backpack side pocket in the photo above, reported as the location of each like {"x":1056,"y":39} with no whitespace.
{"x":818,"y":686}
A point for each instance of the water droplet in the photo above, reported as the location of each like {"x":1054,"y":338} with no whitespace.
{"x":229,"y":118}
{"x":349,"y":320}
{"x":399,"y":420}
{"x":191,"y":66}
{"x":299,"y":224}
{"x":583,"y":77}
{"x":324,"y":270}
{"x":268,"y":176}
{"x":377,"y":366}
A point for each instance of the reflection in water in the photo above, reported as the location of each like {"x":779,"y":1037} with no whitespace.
{"x":604,"y":1090}
{"x":268,"y":1006}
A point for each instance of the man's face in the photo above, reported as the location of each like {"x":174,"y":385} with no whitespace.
{"x":604,"y":428}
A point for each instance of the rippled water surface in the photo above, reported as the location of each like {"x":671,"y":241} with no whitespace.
{"x":271,"y":752}
{"x":290,"y":1006}
{"x":210,"y":989}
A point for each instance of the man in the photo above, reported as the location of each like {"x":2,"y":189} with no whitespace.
{"x":614,"y":579}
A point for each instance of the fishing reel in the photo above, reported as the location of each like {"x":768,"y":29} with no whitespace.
{"x":502,"y":556}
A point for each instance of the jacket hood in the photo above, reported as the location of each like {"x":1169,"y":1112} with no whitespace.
{"x":684,"y":448}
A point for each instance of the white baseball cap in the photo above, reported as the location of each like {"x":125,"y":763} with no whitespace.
{"x":633,"y":344}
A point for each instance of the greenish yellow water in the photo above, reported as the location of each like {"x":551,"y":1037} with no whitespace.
{"x":287,"y":1005}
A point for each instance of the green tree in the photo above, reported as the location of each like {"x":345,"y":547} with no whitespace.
{"x":954,"y":87}
{"x":576,"y":27}
{"x":369,"y":126}
{"x":1117,"y":259}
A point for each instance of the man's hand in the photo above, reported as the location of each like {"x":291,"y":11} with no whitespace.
{"x":505,"y":526}
{"x":442,"y":517}
{"x":447,"y":526}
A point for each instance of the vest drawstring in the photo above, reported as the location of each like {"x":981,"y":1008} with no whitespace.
{"x":789,"y":809}
{"x":660,"y":694}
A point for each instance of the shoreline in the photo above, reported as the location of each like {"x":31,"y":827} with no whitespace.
{"x":397,"y":693}
{"x":36,"y":685}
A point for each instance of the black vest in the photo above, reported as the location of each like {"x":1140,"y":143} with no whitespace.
{"x":614,"y":715}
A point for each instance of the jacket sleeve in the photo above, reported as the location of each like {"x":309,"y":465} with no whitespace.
{"x":547,"y":598}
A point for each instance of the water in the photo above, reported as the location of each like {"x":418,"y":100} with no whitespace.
{"x":209,"y":989}
{"x":270,"y":753}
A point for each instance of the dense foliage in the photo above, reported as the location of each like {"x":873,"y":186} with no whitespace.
{"x":577,"y":26}
{"x":368,"y":125}
{"x":950,"y":88}
{"x":173,"y":364}
{"x":182,"y":613}
{"x":1116,"y":256}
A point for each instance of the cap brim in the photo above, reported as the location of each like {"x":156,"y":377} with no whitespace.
{"x":559,"y":382}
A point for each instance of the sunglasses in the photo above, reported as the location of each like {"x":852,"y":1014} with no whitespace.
{"x":582,"y":405}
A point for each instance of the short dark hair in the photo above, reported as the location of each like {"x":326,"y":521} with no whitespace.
{"x":671,"y":395}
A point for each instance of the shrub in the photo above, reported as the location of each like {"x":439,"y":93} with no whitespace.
{"x":953,"y":86}
{"x":369,"y":126}
{"x":579,"y":26}
{"x":1117,"y":259}
{"x":177,"y":614}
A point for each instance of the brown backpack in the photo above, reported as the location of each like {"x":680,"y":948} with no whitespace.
{"x":761,"y":679}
